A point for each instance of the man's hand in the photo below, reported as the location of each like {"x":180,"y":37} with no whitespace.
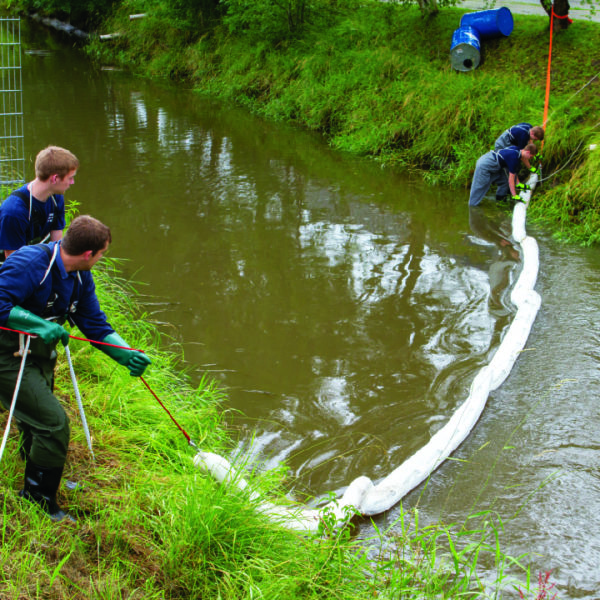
{"x":48,"y":331}
{"x":119,"y":350}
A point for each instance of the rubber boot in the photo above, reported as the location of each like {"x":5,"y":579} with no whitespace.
{"x":40,"y":487}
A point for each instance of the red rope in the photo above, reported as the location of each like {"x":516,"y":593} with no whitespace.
{"x":548,"y":75}
{"x":561,"y":16}
{"x":187,"y":437}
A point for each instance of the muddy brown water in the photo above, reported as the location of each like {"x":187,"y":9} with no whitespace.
{"x":345,"y":308}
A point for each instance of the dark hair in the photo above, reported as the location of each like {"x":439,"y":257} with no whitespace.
{"x":531,"y":148}
{"x":85,"y":233}
{"x":538,"y":132}
{"x":54,"y":160}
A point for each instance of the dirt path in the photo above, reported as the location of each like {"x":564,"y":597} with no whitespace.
{"x":528,"y":7}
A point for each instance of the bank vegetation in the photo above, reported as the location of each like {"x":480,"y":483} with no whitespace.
{"x":375,"y":80}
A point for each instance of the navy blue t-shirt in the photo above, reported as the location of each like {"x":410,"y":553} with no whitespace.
{"x":520,"y":134}
{"x":18,"y":229}
{"x":509,"y":158}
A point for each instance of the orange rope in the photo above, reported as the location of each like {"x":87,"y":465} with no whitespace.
{"x":546,"y":101}
{"x":548,"y":74}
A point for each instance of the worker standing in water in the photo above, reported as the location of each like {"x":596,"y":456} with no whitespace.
{"x":499,"y":168}
{"x":520,"y":135}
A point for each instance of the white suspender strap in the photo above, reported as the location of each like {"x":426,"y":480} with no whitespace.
{"x":51,"y":263}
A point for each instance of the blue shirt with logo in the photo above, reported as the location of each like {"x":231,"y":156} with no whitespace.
{"x":509,"y":158}
{"x":520,"y":134}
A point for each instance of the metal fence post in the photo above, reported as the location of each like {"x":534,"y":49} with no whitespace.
{"x":12,"y":150}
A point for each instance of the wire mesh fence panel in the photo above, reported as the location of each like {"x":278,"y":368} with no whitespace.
{"x":12,"y":151}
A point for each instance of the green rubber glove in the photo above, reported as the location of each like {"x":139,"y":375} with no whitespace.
{"x":522,"y":186}
{"x":533,"y":169}
{"x":48,"y":331}
{"x":517,"y":198}
{"x":135,"y":361}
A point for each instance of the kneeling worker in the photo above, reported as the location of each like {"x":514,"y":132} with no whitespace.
{"x":40,"y":287}
{"x":499,"y":168}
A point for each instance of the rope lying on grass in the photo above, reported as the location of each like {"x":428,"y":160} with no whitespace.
{"x":362,"y":495}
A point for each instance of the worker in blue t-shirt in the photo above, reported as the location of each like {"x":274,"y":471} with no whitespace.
{"x":36,"y":211}
{"x":499,"y":168}
{"x":520,"y":135}
{"x":41,"y":286}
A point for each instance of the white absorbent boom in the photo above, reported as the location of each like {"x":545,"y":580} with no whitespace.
{"x":364,"y":497}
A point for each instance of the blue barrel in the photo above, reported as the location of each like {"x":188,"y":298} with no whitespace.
{"x":490,"y":23}
{"x":464,"y":49}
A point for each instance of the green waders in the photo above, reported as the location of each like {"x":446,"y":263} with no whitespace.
{"x":42,"y":420}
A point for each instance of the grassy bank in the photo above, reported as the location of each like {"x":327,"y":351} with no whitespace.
{"x":375,"y":79}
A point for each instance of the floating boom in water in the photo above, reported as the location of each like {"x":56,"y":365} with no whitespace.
{"x":364,"y":497}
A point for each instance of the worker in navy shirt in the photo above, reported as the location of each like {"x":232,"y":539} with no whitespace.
{"x":36,"y":211}
{"x":40,"y":287}
{"x":520,"y":135}
{"x":499,"y":168}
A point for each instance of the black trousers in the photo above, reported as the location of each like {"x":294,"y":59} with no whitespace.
{"x":42,"y":420}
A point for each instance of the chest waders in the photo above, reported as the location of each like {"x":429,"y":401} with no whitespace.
{"x":41,"y":419}
{"x":488,"y":172}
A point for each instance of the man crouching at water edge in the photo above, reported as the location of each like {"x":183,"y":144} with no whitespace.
{"x":499,"y":168}
{"x":520,"y":135}
{"x":42,"y":286}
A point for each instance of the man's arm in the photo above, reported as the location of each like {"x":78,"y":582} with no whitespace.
{"x":55,"y":235}
{"x":512,"y":181}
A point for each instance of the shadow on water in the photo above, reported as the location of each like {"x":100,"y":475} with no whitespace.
{"x":346,"y":308}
